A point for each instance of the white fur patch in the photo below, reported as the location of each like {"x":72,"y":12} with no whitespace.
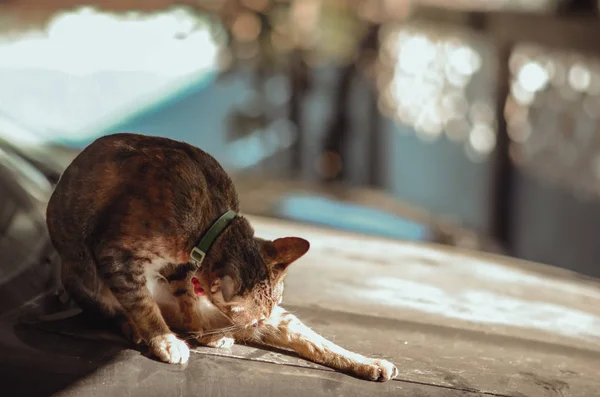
{"x":223,"y":343}
{"x":159,"y":290}
{"x":171,"y":349}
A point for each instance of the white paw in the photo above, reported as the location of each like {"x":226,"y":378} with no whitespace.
{"x":223,"y":343}
{"x":378,"y":370}
{"x":170,"y":349}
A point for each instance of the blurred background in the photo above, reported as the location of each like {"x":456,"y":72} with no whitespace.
{"x":469,"y":123}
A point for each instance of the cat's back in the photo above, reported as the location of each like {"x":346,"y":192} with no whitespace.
{"x":128,"y":161}
{"x":137,"y":175}
{"x":126,"y":150}
{"x":140,"y":161}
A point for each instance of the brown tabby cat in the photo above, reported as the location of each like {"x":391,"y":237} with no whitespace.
{"x":125,"y":218}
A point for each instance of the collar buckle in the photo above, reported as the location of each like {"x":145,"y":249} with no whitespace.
{"x":199,"y":252}
{"x":197,"y":256}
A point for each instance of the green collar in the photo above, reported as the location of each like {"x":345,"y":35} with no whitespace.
{"x":201,"y":249}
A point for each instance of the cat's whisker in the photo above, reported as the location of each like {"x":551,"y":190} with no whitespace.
{"x":161,"y":276}
{"x":196,"y":334}
{"x":227,"y":316}
{"x":221,"y":330}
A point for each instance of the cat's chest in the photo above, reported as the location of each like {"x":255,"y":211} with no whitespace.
{"x":206,"y":310}
{"x":205,"y":315}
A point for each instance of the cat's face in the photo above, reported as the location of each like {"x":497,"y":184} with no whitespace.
{"x":248,"y":304}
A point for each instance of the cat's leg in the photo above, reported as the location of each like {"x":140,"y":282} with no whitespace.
{"x":94,"y":298}
{"x":124,"y":274}
{"x":286,"y":331}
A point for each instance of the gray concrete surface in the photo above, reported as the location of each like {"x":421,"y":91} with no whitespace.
{"x":455,"y":323}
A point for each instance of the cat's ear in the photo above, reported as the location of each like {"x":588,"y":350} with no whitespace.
{"x":227,"y":288}
{"x":284,"y":251}
{"x":226,"y":285}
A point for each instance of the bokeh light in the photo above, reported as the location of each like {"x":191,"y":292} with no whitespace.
{"x":426,"y":80}
{"x":552,"y":117}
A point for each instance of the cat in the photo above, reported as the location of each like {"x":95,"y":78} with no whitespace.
{"x":150,"y":237}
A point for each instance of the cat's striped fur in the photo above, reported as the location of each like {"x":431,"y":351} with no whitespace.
{"x":124,"y":217}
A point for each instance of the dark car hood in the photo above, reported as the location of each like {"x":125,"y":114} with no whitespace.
{"x":26,"y":254}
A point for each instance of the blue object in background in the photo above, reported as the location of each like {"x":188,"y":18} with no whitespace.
{"x":350,"y":217}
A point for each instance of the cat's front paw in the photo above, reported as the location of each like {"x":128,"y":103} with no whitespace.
{"x":377,"y":370}
{"x":222,"y":343}
{"x":170,"y":349}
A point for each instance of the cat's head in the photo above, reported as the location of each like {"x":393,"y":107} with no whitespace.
{"x":251,"y":284}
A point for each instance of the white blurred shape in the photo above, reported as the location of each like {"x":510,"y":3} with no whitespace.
{"x":482,"y":138}
{"x":533,"y":77}
{"x":464,"y":60}
{"x":579,"y":77}
{"x":521,"y":95}
{"x":416,"y":53}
